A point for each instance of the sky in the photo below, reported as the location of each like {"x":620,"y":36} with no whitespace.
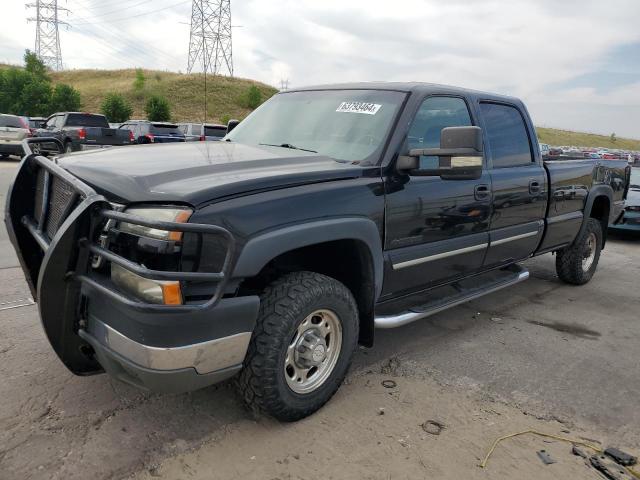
{"x":576,"y":63}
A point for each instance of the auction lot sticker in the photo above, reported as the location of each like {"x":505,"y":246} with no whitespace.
{"x":359,"y":107}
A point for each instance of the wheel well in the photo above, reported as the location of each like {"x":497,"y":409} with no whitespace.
{"x":348,"y":261}
{"x":600,"y":211}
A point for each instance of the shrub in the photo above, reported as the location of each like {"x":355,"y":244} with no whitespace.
{"x":158,"y":109}
{"x":254,"y":97}
{"x":65,"y":98}
{"x":116,"y":108}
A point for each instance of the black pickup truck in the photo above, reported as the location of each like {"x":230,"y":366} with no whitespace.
{"x":328,"y":212}
{"x":78,"y":131}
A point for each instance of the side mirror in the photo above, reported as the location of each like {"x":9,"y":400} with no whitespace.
{"x":231,"y":124}
{"x":460,"y":155}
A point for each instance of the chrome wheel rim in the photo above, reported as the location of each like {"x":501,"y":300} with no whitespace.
{"x":313,"y":351}
{"x":589,"y":253}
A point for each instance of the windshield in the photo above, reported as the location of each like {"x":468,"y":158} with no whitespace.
{"x":86,"y":120}
{"x":635,"y":177}
{"x":350,"y":125}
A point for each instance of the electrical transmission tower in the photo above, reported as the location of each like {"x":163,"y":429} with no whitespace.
{"x":47,"y":32}
{"x":210,"y":41}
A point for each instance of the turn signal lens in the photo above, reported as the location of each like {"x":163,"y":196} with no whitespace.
{"x":152,"y":291}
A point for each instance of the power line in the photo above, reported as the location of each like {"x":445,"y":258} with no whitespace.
{"x":124,"y":19}
{"x":47,"y":46}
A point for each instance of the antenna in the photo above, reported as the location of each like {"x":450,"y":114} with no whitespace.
{"x":47,"y":34}
{"x":210,"y":41}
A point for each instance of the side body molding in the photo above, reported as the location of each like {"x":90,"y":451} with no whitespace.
{"x":259,"y":250}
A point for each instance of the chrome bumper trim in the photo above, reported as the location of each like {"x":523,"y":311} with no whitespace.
{"x":205,"y":357}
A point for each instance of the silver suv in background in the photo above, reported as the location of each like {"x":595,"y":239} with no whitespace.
{"x":13,"y":129}
{"x":203,"y":132}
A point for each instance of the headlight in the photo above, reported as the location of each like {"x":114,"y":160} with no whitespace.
{"x":160,"y":214}
{"x":153,"y":291}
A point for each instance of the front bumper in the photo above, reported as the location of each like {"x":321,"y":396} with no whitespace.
{"x":11,"y":148}
{"x":630,"y":222}
{"x":90,"y":324}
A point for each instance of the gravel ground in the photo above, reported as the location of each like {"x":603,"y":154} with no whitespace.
{"x":541,"y":354}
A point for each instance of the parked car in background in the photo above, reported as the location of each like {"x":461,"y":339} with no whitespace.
{"x":144,"y":132}
{"x":79,"y":131}
{"x":544,"y":149}
{"x":630,"y":220}
{"x":36,"y":122}
{"x":13,"y":129}
{"x":203,"y":132}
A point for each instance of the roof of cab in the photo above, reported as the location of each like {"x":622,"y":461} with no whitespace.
{"x":410,"y":87}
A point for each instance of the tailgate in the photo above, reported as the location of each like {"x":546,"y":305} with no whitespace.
{"x":12,"y":134}
{"x":106,"y":136}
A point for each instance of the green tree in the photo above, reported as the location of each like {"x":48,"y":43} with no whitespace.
{"x":138,"y":83}
{"x":34,"y":99}
{"x":158,"y":109}
{"x":65,"y":98}
{"x":254,"y":97}
{"x":116,"y":108}
{"x":613,"y":138}
{"x":35,"y":66}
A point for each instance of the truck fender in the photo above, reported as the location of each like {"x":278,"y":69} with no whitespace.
{"x":595,"y":192}
{"x":261,"y":249}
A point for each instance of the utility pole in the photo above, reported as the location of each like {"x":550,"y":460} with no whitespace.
{"x":47,"y":46}
{"x":210,"y":42}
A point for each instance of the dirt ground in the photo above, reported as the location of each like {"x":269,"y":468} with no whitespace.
{"x":541,"y":355}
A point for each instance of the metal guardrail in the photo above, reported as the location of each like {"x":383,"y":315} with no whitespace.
{"x":36,"y":228}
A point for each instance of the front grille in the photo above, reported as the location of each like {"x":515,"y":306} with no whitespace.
{"x":61,"y":194}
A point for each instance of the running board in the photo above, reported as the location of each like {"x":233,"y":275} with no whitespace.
{"x":515,"y":274}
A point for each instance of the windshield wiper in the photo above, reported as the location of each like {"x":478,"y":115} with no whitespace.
{"x":288,"y":145}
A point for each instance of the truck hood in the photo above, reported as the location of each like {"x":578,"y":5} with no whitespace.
{"x":199,"y":172}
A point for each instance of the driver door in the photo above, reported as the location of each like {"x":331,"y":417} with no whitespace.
{"x":436,"y":229}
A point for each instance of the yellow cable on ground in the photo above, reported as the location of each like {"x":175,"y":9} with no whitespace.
{"x":595,"y":448}
{"x":534,"y":432}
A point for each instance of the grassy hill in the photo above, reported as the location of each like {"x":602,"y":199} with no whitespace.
{"x":227,"y":99}
{"x":226,"y":96}
{"x":553,"y":136}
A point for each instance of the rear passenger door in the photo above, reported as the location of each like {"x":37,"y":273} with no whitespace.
{"x":519,"y":184}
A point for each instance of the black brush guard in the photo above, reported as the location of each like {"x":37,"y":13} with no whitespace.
{"x":58,"y":269}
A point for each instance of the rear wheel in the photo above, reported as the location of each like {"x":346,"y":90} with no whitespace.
{"x":577,"y":263}
{"x":302,"y":345}
{"x":68,"y":147}
{"x":3,"y":156}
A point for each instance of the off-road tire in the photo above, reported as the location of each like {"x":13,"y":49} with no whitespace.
{"x":569,"y":260}
{"x":284,"y":304}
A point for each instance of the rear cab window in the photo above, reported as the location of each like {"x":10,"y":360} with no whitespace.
{"x":164,"y":129}
{"x":86,"y":120}
{"x":507,"y":135}
{"x":217,"y":132}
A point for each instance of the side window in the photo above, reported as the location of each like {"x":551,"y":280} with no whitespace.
{"x":507,"y":135}
{"x":59,"y":121}
{"x":434,"y":114}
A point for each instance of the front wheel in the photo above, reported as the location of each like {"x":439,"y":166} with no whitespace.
{"x":577,"y":263}
{"x":302,"y":345}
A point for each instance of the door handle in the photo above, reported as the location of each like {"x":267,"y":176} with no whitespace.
{"x":481,"y":192}
{"x":534,"y":187}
